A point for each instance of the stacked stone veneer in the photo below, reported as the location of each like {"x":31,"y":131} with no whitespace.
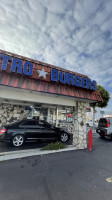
{"x":67,"y":125}
{"x":79,"y":118}
{"x":10,"y":113}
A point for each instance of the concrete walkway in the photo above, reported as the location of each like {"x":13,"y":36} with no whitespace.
{"x":31,"y":152}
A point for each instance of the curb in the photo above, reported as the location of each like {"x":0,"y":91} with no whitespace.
{"x":31,"y":152}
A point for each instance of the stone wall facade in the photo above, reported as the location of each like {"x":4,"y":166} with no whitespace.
{"x":78,"y":126}
{"x":10,"y":113}
{"x":67,"y":125}
{"x":79,"y":120}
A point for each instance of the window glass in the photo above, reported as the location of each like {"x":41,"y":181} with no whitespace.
{"x":103,"y":120}
{"x":41,"y":123}
{"x":29,"y":123}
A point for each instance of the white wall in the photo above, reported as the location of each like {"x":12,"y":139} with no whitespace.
{"x":21,"y":96}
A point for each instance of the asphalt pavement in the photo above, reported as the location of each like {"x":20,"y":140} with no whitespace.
{"x":73,"y":175}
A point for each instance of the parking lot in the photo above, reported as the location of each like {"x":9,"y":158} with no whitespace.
{"x":67,"y":175}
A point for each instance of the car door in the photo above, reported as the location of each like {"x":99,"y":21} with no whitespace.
{"x":47,"y":131}
{"x":31,"y":129}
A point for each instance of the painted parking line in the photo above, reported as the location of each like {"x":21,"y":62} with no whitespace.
{"x":109,"y":180}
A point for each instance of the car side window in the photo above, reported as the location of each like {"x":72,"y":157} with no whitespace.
{"x":41,"y":124}
{"x":28,"y":123}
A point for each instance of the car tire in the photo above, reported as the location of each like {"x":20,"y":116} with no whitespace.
{"x":18,"y":140}
{"x":63,"y":137}
{"x":102,"y":136}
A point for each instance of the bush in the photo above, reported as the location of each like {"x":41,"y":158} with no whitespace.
{"x":54,"y":146}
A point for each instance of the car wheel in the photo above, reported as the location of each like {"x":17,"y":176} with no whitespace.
{"x":102,"y":136}
{"x":64,"y":137}
{"x":18,"y":140}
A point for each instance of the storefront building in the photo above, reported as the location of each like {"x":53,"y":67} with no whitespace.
{"x":56,"y":95}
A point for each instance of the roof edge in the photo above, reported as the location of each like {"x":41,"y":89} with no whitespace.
{"x":41,"y":63}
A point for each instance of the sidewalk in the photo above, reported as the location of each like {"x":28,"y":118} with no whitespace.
{"x":31,"y":152}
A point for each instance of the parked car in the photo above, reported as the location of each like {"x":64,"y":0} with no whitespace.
{"x":29,"y":130}
{"x":105,"y":127}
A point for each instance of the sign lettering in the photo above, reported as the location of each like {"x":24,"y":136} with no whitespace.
{"x":56,"y":75}
{"x":71,"y":79}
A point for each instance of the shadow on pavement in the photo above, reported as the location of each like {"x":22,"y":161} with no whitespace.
{"x":6,"y":147}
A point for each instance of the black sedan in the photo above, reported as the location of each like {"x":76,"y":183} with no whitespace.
{"x":29,"y":130}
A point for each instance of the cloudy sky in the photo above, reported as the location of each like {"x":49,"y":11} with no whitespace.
{"x":72,"y":34}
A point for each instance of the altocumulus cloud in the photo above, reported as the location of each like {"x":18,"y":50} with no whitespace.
{"x":74,"y":34}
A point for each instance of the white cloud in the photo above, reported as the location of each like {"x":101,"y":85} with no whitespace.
{"x":52,"y":19}
{"x":75,"y":34}
{"x":103,"y":13}
{"x":58,"y":6}
{"x":84,"y":10}
{"x":71,"y":58}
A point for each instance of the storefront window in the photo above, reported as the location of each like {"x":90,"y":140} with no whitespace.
{"x":65,"y":115}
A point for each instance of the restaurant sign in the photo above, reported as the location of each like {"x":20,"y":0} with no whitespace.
{"x":56,"y":75}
